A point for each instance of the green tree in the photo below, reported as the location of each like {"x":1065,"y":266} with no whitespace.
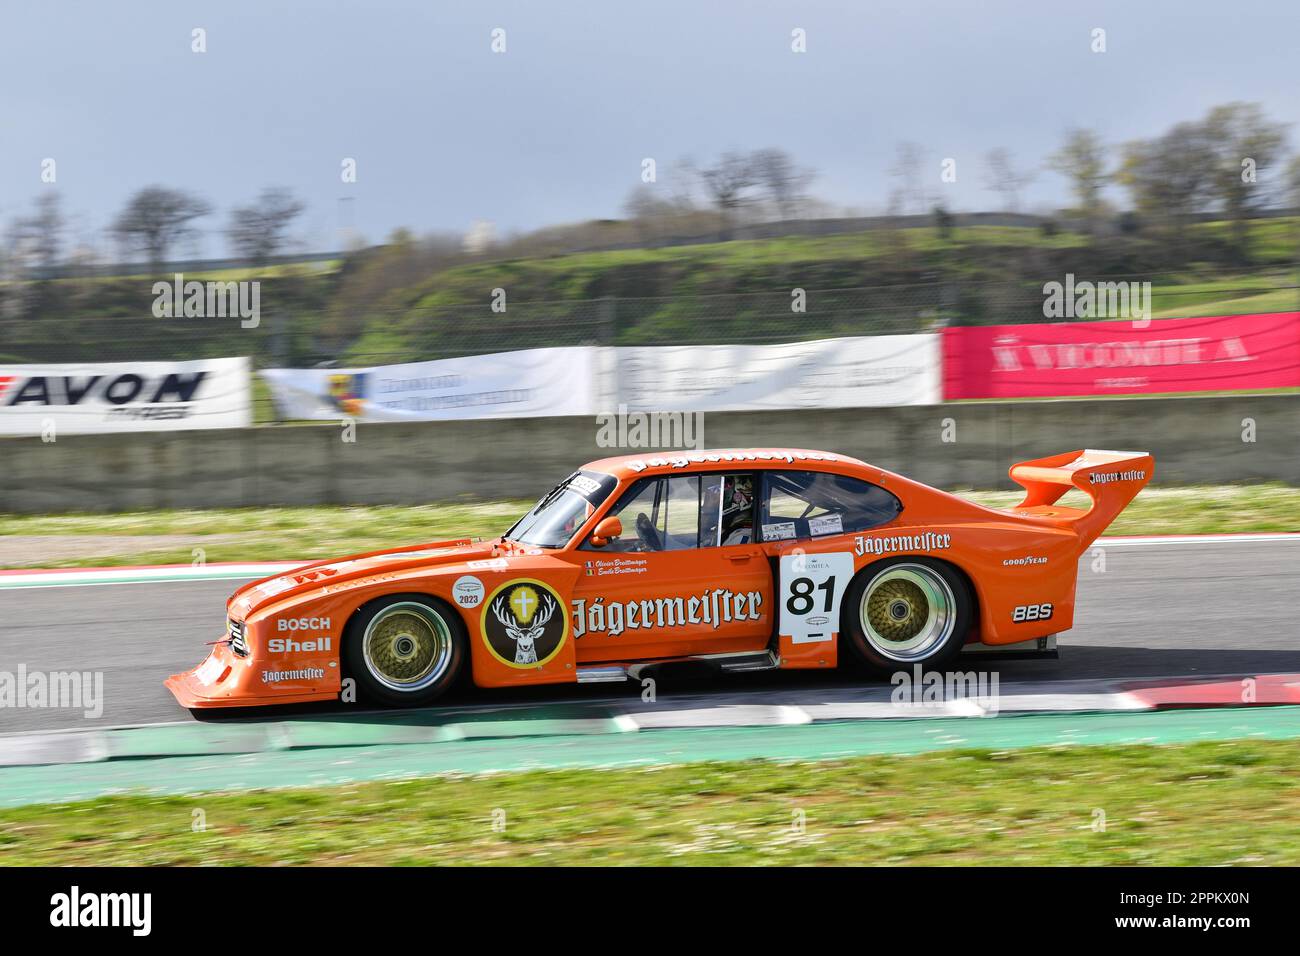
{"x":1082,"y":160}
{"x":1170,"y":178}
{"x":1246,"y":145}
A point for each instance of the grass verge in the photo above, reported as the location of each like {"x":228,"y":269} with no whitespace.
{"x":1205,"y":804}
{"x":257,"y":534}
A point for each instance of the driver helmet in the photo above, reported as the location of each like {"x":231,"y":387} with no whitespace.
{"x":742,"y":494}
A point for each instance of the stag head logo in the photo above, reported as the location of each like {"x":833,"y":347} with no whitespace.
{"x":524,"y":616}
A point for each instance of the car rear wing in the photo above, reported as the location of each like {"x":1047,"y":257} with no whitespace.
{"x":1110,"y":478}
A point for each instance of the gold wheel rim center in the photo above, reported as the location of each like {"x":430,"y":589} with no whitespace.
{"x":404,"y":648}
{"x":898,"y":610}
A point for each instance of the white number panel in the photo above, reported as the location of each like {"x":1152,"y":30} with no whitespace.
{"x":811,"y":588}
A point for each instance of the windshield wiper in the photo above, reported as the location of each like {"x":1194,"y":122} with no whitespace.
{"x":554,"y":493}
{"x":547,"y":498}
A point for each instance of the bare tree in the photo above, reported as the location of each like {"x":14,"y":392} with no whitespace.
{"x":908,"y":196}
{"x":649,"y":212}
{"x":38,"y":239}
{"x":727,"y":183}
{"x":644,"y":203}
{"x":157,"y":218}
{"x":650,"y":201}
{"x":785,"y":183}
{"x":1003,"y":177}
{"x":259,"y":231}
{"x":1082,"y":160}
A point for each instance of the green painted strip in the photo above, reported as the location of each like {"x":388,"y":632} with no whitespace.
{"x":536,"y":728}
{"x":306,"y":735}
{"x":320,"y":766}
{"x":396,"y":728}
{"x":186,"y":740}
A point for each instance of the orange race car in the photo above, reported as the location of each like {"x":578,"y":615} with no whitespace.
{"x":748,"y":559}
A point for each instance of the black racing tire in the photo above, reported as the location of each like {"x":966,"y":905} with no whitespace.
{"x":405,"y":650}
{"x":906,"y":611}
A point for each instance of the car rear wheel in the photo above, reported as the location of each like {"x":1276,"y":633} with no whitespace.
{"x":908,"y":611}
{"x":405,"y":649}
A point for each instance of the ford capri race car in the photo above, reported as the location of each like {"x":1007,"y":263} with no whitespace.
{"x":749,"y":559}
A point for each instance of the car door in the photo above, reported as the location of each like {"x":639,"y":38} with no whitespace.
{"x":807,"y":521}
{"x":684,"y":578}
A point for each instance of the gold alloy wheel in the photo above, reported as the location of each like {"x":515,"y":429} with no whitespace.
{"x":907,"y":612}
{"x":407,"y":646}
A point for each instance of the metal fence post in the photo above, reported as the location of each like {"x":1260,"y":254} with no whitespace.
{"x":279,"y":338}
{"x":608,"y":320}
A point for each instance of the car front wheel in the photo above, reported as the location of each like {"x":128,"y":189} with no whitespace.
{"x":405,"y":649}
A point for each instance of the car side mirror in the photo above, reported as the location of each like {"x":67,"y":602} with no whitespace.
{"x":608,"y":529}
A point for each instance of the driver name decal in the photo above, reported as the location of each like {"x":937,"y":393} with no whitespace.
{"x":599,"y":567}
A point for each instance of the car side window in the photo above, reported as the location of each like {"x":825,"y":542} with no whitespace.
{"x":726,"y":510}
{"x":658,"y":514}
{"x":810,"y":504}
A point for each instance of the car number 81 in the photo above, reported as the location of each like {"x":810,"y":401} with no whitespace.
{"x":812,"y":586}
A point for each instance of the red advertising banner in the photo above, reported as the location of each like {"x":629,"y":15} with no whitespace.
{"x":1129,"y":357}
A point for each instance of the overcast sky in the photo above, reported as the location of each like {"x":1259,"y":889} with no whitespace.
{"x":445,"y":132}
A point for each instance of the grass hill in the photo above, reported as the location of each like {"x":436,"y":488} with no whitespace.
{"x":407,"y":300}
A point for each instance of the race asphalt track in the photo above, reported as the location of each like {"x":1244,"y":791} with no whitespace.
{"x":1186,"y":608}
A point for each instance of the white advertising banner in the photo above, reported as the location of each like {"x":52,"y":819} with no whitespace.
{"x":83,"y":398}
{"x":825,"y":373}
{"x":523,"y":384}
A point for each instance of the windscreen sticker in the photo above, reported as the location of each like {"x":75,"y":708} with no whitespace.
{"x":825,"y":524}
{"x":778,"y":531}
{"x":594,"y":488}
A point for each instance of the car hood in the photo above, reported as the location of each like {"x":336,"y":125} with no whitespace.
{"x":328,"y":575}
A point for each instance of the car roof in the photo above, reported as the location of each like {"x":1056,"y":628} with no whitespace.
{"x":686,"y":462}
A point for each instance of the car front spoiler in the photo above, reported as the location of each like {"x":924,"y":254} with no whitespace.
{"x":227,"y":680}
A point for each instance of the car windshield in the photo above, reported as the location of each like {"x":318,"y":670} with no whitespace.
{"x":562,"y":510}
